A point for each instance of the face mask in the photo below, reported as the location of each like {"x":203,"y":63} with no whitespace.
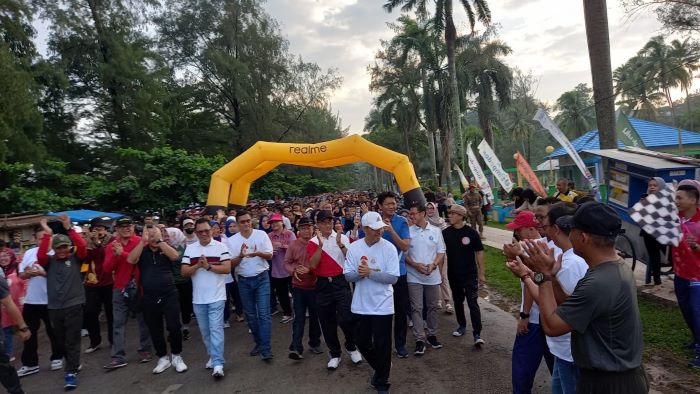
{"x":189,"y":230}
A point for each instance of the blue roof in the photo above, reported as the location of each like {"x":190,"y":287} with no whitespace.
{"x":85,"y":215}
{"x":653,"y":135}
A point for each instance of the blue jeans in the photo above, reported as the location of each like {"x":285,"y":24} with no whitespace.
{"x":688,"y":296}
{"x":210,"y":318}
{"x":528,"y":351}
{"x":7,"y":331}
{"x":564,"y":377}
{"x":255,"y":296}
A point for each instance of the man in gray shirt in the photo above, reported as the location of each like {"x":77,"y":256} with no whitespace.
{"x":602,"y":313}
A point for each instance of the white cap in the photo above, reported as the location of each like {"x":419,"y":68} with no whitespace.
{"x":372,"y":220}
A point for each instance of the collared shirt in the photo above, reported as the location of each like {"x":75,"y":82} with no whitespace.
{"x":207,"y":286}
{"x":285,"y":238}
{"x":566,"y":197}
{"x":258,"y":241}
{"x":686,"y":261}
{"x":332,"y":257}
{"x":426,"y":243}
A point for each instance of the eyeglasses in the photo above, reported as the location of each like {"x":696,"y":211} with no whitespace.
{"x":245,"y":221}
{"x":207,"y":231}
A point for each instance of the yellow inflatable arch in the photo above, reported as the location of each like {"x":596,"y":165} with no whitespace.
{"x":230,"y":184}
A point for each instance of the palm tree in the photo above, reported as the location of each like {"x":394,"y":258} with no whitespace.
{"x":596,"y":17}
{"x":576,"y":111}
{"x":663,"y":64}
{"x":443,"y":20}
{"x":688,"y":53}
{"x":636,"y":91}
{"x":483,"y":74}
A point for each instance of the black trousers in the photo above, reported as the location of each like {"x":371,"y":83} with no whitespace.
{"x":334,"y":298}
{"x":66,"y":323}
{"x":373,"y":336}
{"x":96,"y":298}
{"x":654,"y":249}
{"x":157,"y":307}
{"x":184,"y":291}
{"x":33,"y":315}
{"x":466,"y":288}
{"x":633,"y":381}
{"x":401,"y":306}
{"x":8,"y":374}
{"x":280,"y":288}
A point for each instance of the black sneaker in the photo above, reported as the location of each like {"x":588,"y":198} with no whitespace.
{"x":402,"y":352}
{"x":432,"y":340}
{"x":294,"y":355}
{"x":316,"y":350}
{"x":185,"y":334}
{"x":420,"y":348}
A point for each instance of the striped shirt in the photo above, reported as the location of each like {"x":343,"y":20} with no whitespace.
{"x":207,"y":286}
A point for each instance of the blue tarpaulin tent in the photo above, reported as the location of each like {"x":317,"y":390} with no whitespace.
{"x":85,"y":215}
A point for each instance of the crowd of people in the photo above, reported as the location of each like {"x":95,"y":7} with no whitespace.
{"x":355,"y":263}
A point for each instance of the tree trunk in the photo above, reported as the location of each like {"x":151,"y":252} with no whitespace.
{"x":433,"y":166}
{"x":596,"y":16}
{"x":667,"y":91}
{"x":454,"y":125}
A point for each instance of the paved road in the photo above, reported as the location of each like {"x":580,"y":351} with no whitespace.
{"x":457,"y":368}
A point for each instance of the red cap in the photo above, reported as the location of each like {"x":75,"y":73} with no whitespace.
{"x":523,"y":219}
{"x":275,"y":217}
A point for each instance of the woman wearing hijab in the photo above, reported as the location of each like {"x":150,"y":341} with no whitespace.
{"x":18,"y":290}
{"x":654,"y":248}
{"x":434,"y":218}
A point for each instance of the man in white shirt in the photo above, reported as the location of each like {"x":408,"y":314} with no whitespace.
{"x":423,"y":261}
{"x":35,"y":311}
{"x":251,"y":249}
{"x":373,"y":264}
{"x":208,"y":262}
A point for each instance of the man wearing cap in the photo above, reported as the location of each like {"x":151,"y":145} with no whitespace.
{"x":126,"y":278}
{"x":188,"y":229}
{"x":296,"y":263}
{"x":530,"y":345}
{"x":465,"y":270}
{"x":602,"y":312}
{"x":473,"y":202}
{"x":251,"y":249}
{"x":279,"y":277}
{"x":326,"y":253}
{"x":98,"y":283}
{"x":65,"y":291}
{"x":373,"y":264}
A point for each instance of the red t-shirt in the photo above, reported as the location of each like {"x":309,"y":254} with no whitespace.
{"x":327,"y":266}
{"x":686,"y":261}
{"x":119,"y":266}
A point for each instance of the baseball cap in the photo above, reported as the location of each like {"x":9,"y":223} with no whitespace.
{"x":373,"y":220}
{"x":459,"y":210}
{"x":187,"y":221}
{"x":103,"y":221}
{"x":305,"y":222}
{"x":323,"y":215}
{"x":275,"y":217}
{"x":594,"y":218}
{"x":124,"y":220}
{"x":60,"y":240}
{"x":523,"y":219}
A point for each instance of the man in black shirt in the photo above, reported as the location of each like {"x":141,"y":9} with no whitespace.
{"x":464,"y":252}
{"x":160,"y":298}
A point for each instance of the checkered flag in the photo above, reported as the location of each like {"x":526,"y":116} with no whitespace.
{"x":658,"y":216}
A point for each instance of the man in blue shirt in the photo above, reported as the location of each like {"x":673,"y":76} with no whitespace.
{"x":396,"y":232}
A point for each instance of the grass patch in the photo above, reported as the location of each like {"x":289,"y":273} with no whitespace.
{"x":501,"y":226}
{"x":663,"y":326}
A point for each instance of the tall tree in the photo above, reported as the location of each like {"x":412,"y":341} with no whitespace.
{"x":444,"y":21}
{"x":576,"y":111}
{"x":638,"y":94}
{"x":676,"y":16}
{"x":596,"y":18}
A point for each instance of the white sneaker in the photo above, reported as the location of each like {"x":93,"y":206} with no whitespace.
{"x":334,"y":363}
{"x":179,"y":363}
{"x":218,"y":371}
{"x":208,"y":365}
{"x":84,"y":332}
{"x":227,"y":324}
{"x":355,"y":356}
{"x":56,"y":365}
{"x":163,"y":364}
{"x":25,"y":370}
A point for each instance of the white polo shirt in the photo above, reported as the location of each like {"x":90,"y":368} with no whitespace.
{"x":36,"y":286}
{"x":535,"y":310}
{"x":573,"y":268}
{"x":330,"y":246}
{"x":207,"y":286}
{"x":426,"y":243}
{"x":258,"y":241}
{"x":370,"y":297}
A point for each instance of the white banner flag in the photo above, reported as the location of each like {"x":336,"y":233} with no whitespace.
{"x":494,"y":165}
{"x":478,"y":173}
{"x":542,"y":117}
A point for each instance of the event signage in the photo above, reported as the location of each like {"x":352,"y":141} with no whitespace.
{"x":479,"y":176}
{"x":542,"y":117}
{"x":526,"y":171}
{"x":494,"y":165}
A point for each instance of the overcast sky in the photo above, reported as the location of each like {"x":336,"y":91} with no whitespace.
{"x":547,"y":37}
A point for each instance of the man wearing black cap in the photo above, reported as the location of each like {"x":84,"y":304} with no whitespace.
{"x":296,"y":262}
{"x":98,"y":283}
{"x":602,"y":312}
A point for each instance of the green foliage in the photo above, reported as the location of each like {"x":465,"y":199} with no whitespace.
{"x":278,"y":184}
{"x":576,"y":111}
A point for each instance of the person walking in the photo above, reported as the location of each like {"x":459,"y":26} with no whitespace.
{"x":280,"y":279}
{"x":98,"y":284}
{"x":8,"y":375}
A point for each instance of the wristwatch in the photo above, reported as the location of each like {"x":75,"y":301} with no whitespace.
{"x":209,"y":268}
{"x":540,"y":278}
{"x":524,"y":315}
